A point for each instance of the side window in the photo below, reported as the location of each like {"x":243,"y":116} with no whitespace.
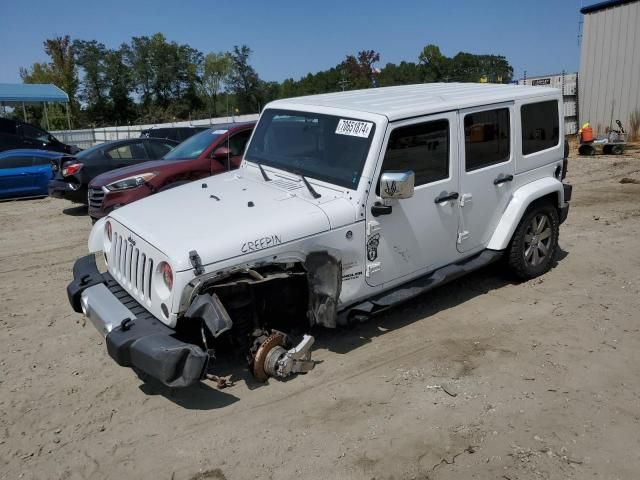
{"x":158,"y":149}
{"x":486,"y":138}
{"x":238,"y":143}
{"x":423,"y":148}
{"x":34,"y":133}
{"x":128,"y":152}
{"x":16,"y":162}
{"x":540,"y":126}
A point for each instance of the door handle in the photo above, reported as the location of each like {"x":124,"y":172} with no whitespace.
{"x":501,"y":180}
{"x":446,"y":197}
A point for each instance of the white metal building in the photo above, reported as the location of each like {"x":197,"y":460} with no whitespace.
{"x":610,"y":64}
{"x":568,"y":83}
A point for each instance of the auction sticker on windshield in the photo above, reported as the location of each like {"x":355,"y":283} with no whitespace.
{"x":354,"y":128}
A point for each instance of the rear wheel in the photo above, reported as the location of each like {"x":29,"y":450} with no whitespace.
{"x":535,"y":242}
{"x":617,"y":149}
{"x":606,"y":149}
{"x":586,"y":150}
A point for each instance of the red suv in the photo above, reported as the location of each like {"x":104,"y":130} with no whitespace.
{"x":207,"y":153}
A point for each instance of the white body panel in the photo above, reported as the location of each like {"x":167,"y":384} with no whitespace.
{"x":241,"y":220}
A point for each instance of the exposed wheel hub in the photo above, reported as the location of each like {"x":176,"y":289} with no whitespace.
{"x":272,"y":359}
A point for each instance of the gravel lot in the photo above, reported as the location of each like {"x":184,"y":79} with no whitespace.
{"x":482,"y":378}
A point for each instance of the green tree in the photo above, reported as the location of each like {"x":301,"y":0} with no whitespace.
{"x":359,"y":70}
{"x":435,"y":64}
{"x":91,"y":57}
{"x":216,"y":69}
{"x":243,"y":80}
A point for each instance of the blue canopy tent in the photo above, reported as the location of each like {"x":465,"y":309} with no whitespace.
{"x":21,"y":93}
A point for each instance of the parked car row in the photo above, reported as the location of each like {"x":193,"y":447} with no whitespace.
{"x":112,"y":174}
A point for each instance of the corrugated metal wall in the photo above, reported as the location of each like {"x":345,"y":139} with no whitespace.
{"x":609,"y":86}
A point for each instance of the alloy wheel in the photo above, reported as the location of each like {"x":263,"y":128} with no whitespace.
{"x":537,"y":240}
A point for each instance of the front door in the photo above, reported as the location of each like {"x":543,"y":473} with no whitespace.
{"x":486,"y":172}
{"x":419,"y":233}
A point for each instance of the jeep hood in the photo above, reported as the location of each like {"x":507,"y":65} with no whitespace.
{"x":221,"y":217}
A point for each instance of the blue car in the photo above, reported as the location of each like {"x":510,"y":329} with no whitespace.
{"x":26,"y":173}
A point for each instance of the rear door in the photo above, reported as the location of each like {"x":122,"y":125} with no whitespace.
{"x":419,"y":234}
{"x":486,"y":172}
{"x":127,"y":154}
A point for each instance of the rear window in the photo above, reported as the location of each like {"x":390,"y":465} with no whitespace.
{"x":540,"y":126}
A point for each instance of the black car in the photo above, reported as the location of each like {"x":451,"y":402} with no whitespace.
{"x":17,"y":134}
{"x":73,"y":173}
{"x":178,"y":134}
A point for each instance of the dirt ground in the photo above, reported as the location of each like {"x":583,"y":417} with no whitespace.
{"x":482,"y":378}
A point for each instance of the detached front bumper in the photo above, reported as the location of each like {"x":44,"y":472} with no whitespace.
{"x":134,"y":337}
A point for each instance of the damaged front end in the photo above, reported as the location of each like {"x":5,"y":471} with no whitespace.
{"x":261,"y":314}
{"x":264,"y":312}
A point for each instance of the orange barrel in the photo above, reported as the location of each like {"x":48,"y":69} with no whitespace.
{"x":587,"y":134}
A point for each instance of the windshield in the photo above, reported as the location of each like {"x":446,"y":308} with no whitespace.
{"x":193,"y":146}
{"x":324,"y":147}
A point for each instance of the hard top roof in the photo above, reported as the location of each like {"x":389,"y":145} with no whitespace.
{"x":413,"y":100}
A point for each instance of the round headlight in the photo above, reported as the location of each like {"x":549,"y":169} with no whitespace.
{"x":167,"y":274}
{"x":107,"y":229}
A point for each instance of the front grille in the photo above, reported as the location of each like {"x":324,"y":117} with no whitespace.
{"x":96,"y":195}
{"x":132,"y":267}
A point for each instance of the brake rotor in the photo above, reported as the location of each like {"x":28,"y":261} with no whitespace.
{"x":274,"y":340}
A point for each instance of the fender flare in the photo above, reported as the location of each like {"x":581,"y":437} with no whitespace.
{"x":520,"y":201}
{"x":96,"y":237}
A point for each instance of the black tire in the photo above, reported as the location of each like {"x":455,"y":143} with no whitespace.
{"x":617,"y":149}
{"x":172,"y":185}
{"x":531,"y":254}
{"x":586,"y":150}
{"x":606,"y":149}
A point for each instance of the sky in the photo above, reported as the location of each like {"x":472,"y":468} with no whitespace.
{"x":292,"y":38}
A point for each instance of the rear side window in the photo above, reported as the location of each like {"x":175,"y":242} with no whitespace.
{"x":128,"y":152}
{"x":158,"y":149}
{"x":423,"y":148}
{"x":540,"y":126}
{"x":486,"y":138}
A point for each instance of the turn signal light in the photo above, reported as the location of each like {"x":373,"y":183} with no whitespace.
{"x":107,"y":229}
{"x":167,"y":274}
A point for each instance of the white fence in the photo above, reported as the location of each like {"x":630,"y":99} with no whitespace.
{"x":89,"y":137}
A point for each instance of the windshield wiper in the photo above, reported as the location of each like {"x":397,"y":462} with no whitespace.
{"x":312,"y":190}
{"x":264,"y":174}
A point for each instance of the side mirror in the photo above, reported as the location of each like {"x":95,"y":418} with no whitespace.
{"x":397,"y":185}
{"x":222,"y":153}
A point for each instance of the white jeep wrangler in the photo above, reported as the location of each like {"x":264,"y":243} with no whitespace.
{"x":344,"y":205}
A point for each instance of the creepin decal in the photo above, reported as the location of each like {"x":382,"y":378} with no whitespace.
{"x":372,"y":247}
{"x":390,"y":188}
{"x":261,"y":244}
